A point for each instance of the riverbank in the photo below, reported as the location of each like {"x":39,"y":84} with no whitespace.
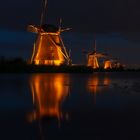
{"x":28,"y":68}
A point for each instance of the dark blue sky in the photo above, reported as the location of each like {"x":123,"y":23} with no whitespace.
{"x":89,"y":15}
{"x":116,"y":25}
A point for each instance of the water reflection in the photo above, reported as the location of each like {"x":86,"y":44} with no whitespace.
{"x":97,"y":84}
{"x":48,"y":93}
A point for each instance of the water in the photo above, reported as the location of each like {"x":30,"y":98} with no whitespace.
{"x":70,"y":106}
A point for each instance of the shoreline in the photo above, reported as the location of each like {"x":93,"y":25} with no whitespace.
{"x":30,"y":68}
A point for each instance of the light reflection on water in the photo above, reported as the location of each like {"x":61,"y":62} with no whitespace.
{"x":49,"y":91}
{"x":48,"y":94}
{"x":98,"y":106}
{"x":96,"y":83}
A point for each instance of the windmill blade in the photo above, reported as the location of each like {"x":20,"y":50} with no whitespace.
{"x":94,"y":47}
{"x":100,"y":55}
{"x":43,"y":13}
{"x":66,"y":29}
{"x":32,"y":28}
{"x":60,"y":23}
{"x":69,"y":53}
{"x":105,"y":54}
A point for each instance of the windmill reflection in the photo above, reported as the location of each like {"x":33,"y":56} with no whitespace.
{"x":48,"y":93}
{"x":97,"y":83}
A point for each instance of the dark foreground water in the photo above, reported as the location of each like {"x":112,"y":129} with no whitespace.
{"x":100,"y":106}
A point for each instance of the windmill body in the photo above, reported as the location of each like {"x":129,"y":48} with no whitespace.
{"x":108,"y":64}
{"x":92,"y":60}
{"x":48,"y":48}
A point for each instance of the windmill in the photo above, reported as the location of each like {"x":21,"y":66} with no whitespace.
{"x":108,"y":64}
{"x":48,"y":48}
{"x":112,"y":63}
{"x":93,"y":57}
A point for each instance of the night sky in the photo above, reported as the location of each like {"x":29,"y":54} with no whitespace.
{"x":114,"y":23}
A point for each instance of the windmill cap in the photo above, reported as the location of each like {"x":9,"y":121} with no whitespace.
{"x":49,"y":28}
{"x":91,"y":53}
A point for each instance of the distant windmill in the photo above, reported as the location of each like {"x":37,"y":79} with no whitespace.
{"x":93,"y":57}
{"x":108,"y":64}
{"x":49,"y":48}
{"x":112,"y":63}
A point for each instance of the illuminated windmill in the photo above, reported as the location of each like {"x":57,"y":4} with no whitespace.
{"x":93,"y":57}
{"x":108,"y":64}
{"x":49,"y":48}
{"x":111,"y":63}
